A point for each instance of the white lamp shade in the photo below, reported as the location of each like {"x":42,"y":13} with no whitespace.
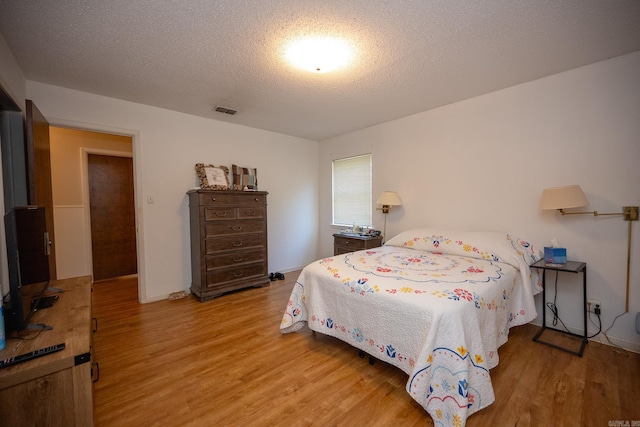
{"x":389,"y":198}
{"x":568,"y":196}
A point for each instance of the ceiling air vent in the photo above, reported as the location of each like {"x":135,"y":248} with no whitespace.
{"x":225,"y":110}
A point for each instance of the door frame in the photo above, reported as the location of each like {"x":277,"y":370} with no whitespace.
{"x":137,"y":189}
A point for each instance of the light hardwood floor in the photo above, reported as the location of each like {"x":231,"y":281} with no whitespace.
{"x":225,"y":363}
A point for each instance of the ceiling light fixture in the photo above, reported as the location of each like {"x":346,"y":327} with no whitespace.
{"x":320,"y":54}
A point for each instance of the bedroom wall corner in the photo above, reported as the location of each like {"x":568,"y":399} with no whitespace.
{"x":481,"y":164}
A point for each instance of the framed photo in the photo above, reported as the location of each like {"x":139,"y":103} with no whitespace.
{"x":213,"y":177}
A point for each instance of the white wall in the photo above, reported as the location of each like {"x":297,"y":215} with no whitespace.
{"x":167,"y":145}
{"x":481,"y":164}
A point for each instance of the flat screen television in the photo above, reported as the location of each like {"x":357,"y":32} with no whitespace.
{"x":28,"y":262}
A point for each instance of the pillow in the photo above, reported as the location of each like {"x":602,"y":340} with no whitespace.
{"x":244,"y":177}
{"x":491,"y":245}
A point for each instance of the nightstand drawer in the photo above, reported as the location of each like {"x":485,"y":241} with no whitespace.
{"x":347,"y":242}
{"x":343,"y":244}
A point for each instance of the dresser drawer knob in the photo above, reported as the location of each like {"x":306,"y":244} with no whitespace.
{"x":236,"y":244}
{"x":250,"y":213}
{"x":236,"y":228}
{"x":238,"y":274}
{"x":237,"y":259}
{"x":221,"y":213}
{"x":213,"y":199}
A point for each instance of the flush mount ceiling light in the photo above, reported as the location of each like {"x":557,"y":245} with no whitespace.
{"x":320,"y":54}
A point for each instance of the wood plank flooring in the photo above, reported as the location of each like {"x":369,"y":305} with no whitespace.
{"x":225,"y":363}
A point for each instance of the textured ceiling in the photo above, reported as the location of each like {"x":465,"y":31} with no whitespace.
{"x":192,"y":55}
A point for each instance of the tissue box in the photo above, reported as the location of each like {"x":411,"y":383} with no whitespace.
{"x":555,"y":255}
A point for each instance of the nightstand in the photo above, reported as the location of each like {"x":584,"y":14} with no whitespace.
{"x":343,"y":243}
{"x":570,"y":267}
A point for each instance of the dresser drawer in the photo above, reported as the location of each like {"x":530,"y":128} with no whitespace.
{"x":228,"y":243}
{"x":251,"y":212}
{"x":234,"y":259}
{"x":219,"y":213}
{"x":218,"y":277}
{"x":240,"y":199}
{"x":222,"y":213}
{"x":217,"y":228}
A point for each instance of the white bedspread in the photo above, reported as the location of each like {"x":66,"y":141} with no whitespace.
{"x":435,"y":304}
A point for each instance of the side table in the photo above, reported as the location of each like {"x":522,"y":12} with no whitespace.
{"x":570,"y":267}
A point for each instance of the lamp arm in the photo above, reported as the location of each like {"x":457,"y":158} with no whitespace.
{"x":595,"y":213}
{"x":630,"y":213}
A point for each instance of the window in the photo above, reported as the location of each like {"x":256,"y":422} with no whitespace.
{"x":352,"y":191}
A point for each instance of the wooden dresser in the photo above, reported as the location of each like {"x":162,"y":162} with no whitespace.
{"x":343,"y":243}
{"x":228,"y":241}
{"x":55,"y":389}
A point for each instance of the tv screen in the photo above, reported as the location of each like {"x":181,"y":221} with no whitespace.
{"x":28,"y":261}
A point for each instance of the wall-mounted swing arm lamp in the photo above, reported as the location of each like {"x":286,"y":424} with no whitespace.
{"x":572,"y":196}
{"x":387,"y":200}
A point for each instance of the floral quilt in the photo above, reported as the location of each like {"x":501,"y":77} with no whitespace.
{"x":436,"y":304}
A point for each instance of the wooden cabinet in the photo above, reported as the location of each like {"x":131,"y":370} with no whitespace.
{"x":228,"y":241}
{"x":343,"y":243}
{"x":55,"y":389}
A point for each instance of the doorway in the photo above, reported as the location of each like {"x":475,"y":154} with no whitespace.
{"x":76,"y":207}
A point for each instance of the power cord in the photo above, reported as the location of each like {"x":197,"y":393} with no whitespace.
{"x":556,"y":316}
{"x":620,"y":349}
{"x":554,"y":308}
{"x":597,"y":313}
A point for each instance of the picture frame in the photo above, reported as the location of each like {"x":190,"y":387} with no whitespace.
{"x":213,"y":177}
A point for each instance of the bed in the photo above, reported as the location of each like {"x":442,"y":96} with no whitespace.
{"x":436,"y":304}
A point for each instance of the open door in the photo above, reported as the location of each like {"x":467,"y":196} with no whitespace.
{"x":38,"y":150}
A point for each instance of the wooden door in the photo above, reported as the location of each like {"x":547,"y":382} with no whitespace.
{"x":113,"y":228}
{"x":38,"y":153}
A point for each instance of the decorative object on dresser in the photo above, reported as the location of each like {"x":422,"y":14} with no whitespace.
{"x":344,"y":243}
{"x":213,"y":177}
{"x":228,"y":241}
{"x":244,"y":178}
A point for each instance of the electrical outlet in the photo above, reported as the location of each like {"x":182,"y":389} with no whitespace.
{"x":594,"y":306}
